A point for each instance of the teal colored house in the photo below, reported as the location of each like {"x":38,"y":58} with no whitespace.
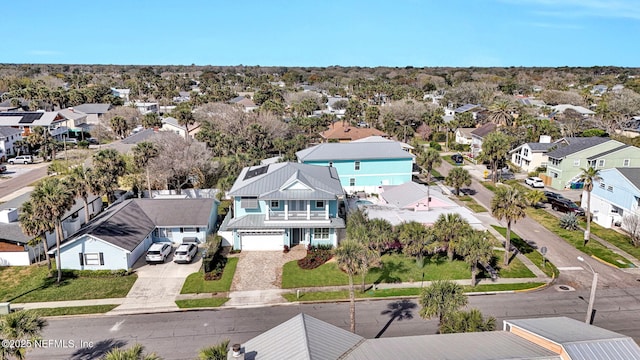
{"x":363,"y":166}
{"x":571,"y":154}
{"x":284,"y":204}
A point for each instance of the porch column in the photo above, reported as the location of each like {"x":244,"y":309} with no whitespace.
{"x":326,"y":211}
{"x":308,"y":210}
{"x":286,"y":210}
{"x":266,"y":217}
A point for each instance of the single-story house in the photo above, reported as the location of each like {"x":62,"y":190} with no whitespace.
{"x":122,"y":234}
{"x":561,"y":108}
{"x":246,"y":103}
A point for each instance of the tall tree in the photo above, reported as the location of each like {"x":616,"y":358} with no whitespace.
{"x":119,"y":126}
{"x":136,"y":352}
{"x":34,"y":223}
{"x":440,"y":299}
{"x":588,"y":177}
{"x":509,"y":204}
{"x":415,"y":239}
{"x":19,"y":326}
{"x":142,"y":154}
{"x":476,"y":250}
{"x":349,"y":256}
{"x":457,"y":178}
{"x":108,"y":164}
{"x":495,"y":147}
{"x":184,"y":114}
{"x":428,"y":160}
{"x":500,"y":113}
{"x":449,"y":229}
{"x":53,"y":198}
{"x":82,"y":184}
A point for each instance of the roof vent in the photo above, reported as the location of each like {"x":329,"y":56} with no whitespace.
{"x":236,"y":352}
{"x":9,"y":215}
{"x":545,"y":139}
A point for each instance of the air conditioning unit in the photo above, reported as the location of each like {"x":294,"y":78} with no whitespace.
{"x":5,"y":308}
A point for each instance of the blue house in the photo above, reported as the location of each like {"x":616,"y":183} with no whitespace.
{"x":284,"y":204}
{"x":122,"y":234}
{"x":363,"y":166}
{"x":615,"y":197}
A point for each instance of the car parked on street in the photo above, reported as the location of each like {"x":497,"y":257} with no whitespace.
{"x":552,"y":195}
{"x":457,"y":158}
{"x":566,"y":206}
{"x":185,"y":253}
{"x":22,"y":159}
{"x":534,"y":182}
{"x":158,"y":253}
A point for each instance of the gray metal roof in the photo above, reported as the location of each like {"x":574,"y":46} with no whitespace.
{"x":256,"y":221}
{"x":302,"y":337}
{"x":177,"y":212}
{"x":615,"y":349}
{"x":593,"y":157}
{"x":93,"y":108}
{"x":484,"y":130}
{"x":140,"y":136}
{"x":405,"y":194}
{"x":575,"y":144}
{"x":632,"y":175}
{"x":495,"y":345}
{"x":467,"y":107}
{"x":353,"y":151}
{"x":12,"y":232}
{"x":271,"y":182}
{"x":540,"y":147}
{"x":6,"y":131}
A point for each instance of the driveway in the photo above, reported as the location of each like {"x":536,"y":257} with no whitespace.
{"x":157,"y":286}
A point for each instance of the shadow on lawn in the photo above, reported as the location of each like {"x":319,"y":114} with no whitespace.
{"x":98,"y":350}
{"x":399,"y":310}
{"x":387,"y":269}
{"x":49,"y":281}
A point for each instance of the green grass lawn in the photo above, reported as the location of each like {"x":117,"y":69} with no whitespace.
{"x":489,"y":185}
{"x":198,"y":303}
{"x":195,"y":283}
{"x":22,"y":284}
{"x":615,"y":238}
{"x":382,"y":293}
{"x":74,"y":310}
{"x":527,"y":250}
{"x":515,"y":269}
{"x":472,"y":204}
{"x":435,"y":175}
{"x":576,"y":238}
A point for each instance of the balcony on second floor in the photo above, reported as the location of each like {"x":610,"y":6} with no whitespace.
{"x":299,"y":211}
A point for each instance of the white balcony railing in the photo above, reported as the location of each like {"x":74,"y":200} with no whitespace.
{"x":297,"y":215}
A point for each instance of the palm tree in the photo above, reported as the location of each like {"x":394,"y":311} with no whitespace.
{"x":535,"y":197}
{"x":216,"y":352}
{"x":53,"y":198}
{"x":142,"y":155}
{"x":34,"y":223}
{"x":136,"y":352}
{"x":380,"y":233}
{"x":19,"y":325}
{"x":457,"y":178}
{"x":415,"y":239}
{"x":467,"y":321}
{"x":500,"y":113}
{"x":495,"y":147}
{"x":82,"y":183}
{"x":509,"y":204}
{"x":476,"y":250}
{"x":349,"y":256}
{"x":440,"y":299}
{"x":428,"y":160}
{"x":108,"y":165}
{"x":39,"y":138}
{"x":184,"y":115}
{"x":448,"y":228}
{"x":119,"y":125}
{"x":588,"y":177}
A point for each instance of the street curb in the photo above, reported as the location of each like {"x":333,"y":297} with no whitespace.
{"x":607,"y":263}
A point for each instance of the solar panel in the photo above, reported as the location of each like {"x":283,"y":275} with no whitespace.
{"x":26,"y":117}
{"x":255,"y":172}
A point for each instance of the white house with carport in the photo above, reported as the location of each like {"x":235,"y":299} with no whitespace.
{"x":530,"y":156}
{"x":123,"y":233}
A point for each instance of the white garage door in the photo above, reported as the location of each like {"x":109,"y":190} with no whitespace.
{"x":262,"y":241}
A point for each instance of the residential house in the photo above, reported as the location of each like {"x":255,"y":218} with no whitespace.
{"x":27,"y":120}
{"x":146,"y":107}
{"x":574,"y":153}
{"x":530,"y":156}
{"x":463,"y":136}
{"x":172,"y":125}
{"x":474,"y":109}
{"x":530,"y":101}
{"x":246,"y":103}
{"x":561,"y":108}
{"x":599,"y":90}
{"x":15,"y":248}
{"x":363,"y":166}
{"x":121,"y":93}
{"x":304,"y":337}
{"x":340,"y":131}
{"x":76,"y":121}
{"x":284,"y":204}
{"x":122,"y":234}
{"x":478,"y":135}
{"x":615,"y":196}
{"x":94,"y":112}
{"x":8,"y":137}
{"x":7,"y":105}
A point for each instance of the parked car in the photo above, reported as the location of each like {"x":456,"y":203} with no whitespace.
{"x":501,"y":164}
{"x":158,"y":253}
{"x":185,"y":253}
{"x":93,"y":141}
{"x":22,"y":159}
{"x":3,"y":168}
{"x":566,"y":206}
{"x":552,"y":195}
{"x":73,"y":141}
{"x":534,"y":182}
{"x":457,"y":158}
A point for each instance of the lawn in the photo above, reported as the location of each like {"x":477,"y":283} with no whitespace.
{"x":450,"y":160}
{"x":576,"y":238}
{"x":472,"y":204}
{"x":620,"y":240}
{"x":527,"y":250}
{"x":195,"y":283}
{"x":515,"y":269}
{"x":22,"y":284}
{"x":74,"y":310}
{"x":489,"y":185}
{"x":382,"y":293}
{"x":198,"y":303}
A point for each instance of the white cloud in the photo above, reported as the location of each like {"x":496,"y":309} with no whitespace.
{"x":629,"y":9}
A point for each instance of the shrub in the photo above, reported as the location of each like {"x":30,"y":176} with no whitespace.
{"x":83,"y":144}
{"x":223,"y":207}
{"x":533,"y":173}
{"x":569,"y":222}
{"x":435,"y":145}
{"x":439,"y":137}
{"x":316,"y":256}
{"x":72,"y":274}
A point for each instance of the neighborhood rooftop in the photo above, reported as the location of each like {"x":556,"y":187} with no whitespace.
{"x":632,"y":175}
{"x":353,"y":151}
{"x":575,"y":144}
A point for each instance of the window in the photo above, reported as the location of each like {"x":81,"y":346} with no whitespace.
{"x":356,"y":165}
{"x":275,"y":204}
{"x":321,"y":233}
{"x":555,"y":162}
{"x":330,"y":163}
{"x":249,"y":203}
{"x":626,"y":162}
{"x":91,"y":259}
{"x":553,"y":174}
{"x":188,"y":229}
{"x":601,"y":163}
{"x":352,"y":182}
{"x":319,"y":204}
{"x":591,"y":163}
{"x":525,"y":152}
{"x":576,"y":162}
{"x":75,"y":215}
{"x":610,"y":188}
{"x":602,"y":186}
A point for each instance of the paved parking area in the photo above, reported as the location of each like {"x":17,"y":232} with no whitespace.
{"x":20,"y":169}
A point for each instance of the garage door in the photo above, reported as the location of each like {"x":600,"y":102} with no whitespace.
{"x":262,"y":241}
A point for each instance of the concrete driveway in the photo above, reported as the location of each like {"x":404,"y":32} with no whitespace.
{"x":157,"y":286}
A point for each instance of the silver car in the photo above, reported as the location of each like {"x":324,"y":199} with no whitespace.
{"x":185,"y":253}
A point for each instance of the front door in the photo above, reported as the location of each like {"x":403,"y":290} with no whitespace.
{"x":297,"y":235}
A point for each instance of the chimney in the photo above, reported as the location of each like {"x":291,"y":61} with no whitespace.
{"x":236,"y":353}
{"x":9,"y":215}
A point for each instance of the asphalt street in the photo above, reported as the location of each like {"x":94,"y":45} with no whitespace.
{"x":179,"y":335}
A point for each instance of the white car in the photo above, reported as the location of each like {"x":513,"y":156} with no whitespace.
{"x":534,"y":182}
{"x":185,"y":253}
{"x":22,"y":159}
{"x":158,"y":252}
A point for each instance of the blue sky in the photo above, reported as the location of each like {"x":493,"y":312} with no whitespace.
{"x":323,"y":33}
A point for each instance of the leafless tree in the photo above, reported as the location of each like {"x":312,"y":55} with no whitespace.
{"x":555,"y":97}
{"x":631,"y":223}
{"x":132,"y":115}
